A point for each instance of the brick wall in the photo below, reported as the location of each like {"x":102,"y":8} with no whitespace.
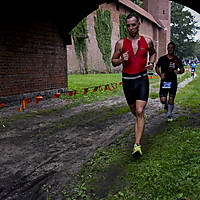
{"x":32,"y":58}
{"x":162,"y":43}
{"x":94,"y":56}
{"x":161,"y":9}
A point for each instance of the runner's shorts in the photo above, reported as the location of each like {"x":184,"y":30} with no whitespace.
{"x":172,"y":91}
{"x":136,"y":89}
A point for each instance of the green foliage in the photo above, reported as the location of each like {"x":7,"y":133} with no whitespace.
{"x":103,"y":28}
{"x":196,"y":49}
{"x":138,"y":2}
{"x":169,"y":169}
{"x":189,"y":97}
{"x":183,"y":30}
{"x":79,"y":34}
{"x":182,"y":77}
{"x":154,"y":95}
{"x":122,"y":26}
{"x":79,"y":82}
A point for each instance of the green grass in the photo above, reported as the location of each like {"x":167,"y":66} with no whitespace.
{"x":169,"y":169}
{"x":182,"y":77}
{"x":190,"y":96}
{"x":79,"y":82}
{"x":154,"y":95}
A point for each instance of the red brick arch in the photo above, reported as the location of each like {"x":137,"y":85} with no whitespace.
{"x":33,"y":36}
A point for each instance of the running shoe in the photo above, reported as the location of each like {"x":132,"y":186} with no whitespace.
{"x":137,"y":152}
{"x":170,"y":119}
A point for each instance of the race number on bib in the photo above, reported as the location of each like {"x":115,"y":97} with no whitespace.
{"x":166,"y":85}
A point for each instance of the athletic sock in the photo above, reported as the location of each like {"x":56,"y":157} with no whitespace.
{"x":170,"y":109}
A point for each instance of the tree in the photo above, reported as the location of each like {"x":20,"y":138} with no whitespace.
{"x":196,"y":51}
{"x":183,"y":30}
{"x":138,"y":2}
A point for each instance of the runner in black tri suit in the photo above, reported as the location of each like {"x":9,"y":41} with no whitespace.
{"x":170,"y":66}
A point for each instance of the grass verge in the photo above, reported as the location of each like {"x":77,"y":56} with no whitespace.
{"x":189,"y":97}
{"x":169,"y":169}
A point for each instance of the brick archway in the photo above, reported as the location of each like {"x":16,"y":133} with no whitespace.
{"x":67,"y":13}
{"x":33,"y":37}
{"x":92,"y":5}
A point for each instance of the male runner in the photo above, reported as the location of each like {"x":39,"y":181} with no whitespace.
{"x":170,"y":66}
{"x":132,"y":52}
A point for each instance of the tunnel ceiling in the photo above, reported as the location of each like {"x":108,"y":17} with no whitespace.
{"x":66,"y":13}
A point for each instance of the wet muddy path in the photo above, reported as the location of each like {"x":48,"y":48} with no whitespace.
{"x":48,"y":148}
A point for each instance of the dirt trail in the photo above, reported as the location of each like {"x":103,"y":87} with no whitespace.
{"x":49,"y":148}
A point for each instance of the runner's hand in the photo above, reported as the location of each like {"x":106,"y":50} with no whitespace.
{"x":150,"y":66}
{"x":125,"y":56}
{"x":162,"y":76}
{"x":176,"y":71}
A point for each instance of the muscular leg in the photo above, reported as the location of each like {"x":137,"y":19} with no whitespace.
{"x":171,"y":100}
{"x":170,"y":106}
{"x":133,"y":109}
{"x":140,"y":121}
{"x":163,"y":100}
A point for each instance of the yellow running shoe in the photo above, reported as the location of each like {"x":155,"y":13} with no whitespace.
{"x":137,"y":152}
{"x":170,"y":119}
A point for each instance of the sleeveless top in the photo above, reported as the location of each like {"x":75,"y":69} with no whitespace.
{"x":137,"y":62}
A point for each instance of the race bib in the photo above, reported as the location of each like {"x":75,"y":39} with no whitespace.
{"x":166,"y":85}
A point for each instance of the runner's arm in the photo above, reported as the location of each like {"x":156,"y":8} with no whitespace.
{"x":180,"y":69}
{"x":158,"y":70}
{"x":152,"y":54}
{"x":117,"y":57}
{"x":162,"y":75}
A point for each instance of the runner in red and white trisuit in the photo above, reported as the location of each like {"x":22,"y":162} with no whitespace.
{"x":132,"y":52}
